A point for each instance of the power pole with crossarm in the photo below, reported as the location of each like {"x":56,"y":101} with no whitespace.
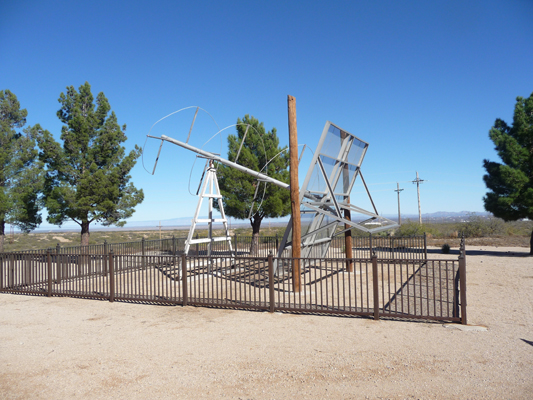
{"x":418,"y":181}
{"x":398,"y":190}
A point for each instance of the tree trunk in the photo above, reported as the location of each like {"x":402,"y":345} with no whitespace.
{"x":2,"y":235}
{"x":85,"y":233}
{"x":256,"y":225}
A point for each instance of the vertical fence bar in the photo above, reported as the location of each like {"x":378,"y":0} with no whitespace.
{"x":375,"y":286}
{"x":184,"y":279}
{"x":1,"y":271}
{"x":49,"y":262}
{"x":462,"y":283}
{"x":425,"y":247}
{"x":111,"y":278}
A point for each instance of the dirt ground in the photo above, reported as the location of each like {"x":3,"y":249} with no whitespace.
{"x":65,"y":348}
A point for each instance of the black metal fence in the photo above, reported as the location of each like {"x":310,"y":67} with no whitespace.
{"x":394,"y":288}
{"x":414,"y":247}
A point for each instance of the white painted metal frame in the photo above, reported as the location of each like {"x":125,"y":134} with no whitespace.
{"x":210,"y":182}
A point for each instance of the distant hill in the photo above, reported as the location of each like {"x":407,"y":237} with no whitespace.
{"x":185,"y":222}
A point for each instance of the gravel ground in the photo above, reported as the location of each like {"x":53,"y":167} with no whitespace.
{"x":65,"y":348}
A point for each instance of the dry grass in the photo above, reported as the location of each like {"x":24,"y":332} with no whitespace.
{"x":494,"y":241}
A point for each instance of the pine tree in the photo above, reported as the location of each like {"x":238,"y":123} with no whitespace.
{"x":510,"y":183}
{"x":20,"y":171}
{"x":87,"y":177}
{"x":238,"y":188}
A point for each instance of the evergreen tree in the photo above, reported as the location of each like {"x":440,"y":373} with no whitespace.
{"x":20,"y":172}
{"x":510,"y":183}
{"x":87,"y":178}
{"x":238,"y":188}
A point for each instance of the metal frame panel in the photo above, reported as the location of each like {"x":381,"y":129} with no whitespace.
{"x":323,"y":202}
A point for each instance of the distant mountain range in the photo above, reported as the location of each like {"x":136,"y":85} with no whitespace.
{"x":185,"y":222}
{"x":443,"y":215}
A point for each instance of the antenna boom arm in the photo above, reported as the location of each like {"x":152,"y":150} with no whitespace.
{"x":221,"y":160}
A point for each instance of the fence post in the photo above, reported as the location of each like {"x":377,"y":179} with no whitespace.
{"x":11,"y":272}
{"x":184,"y":279}
{"x":104,"y":269}
{"x":111,"y":278}
{"x":59,"y":272}
{"x":143,"y":260}
{"x":462,"y":285}
{"x":49,"y":261}
{"x":173,"y":245}
{"x":271,"y":282}
{"x":197,"y":248}
{"x":425,"y":247}
{"x":1,"y":271}
{"x":375,"y":286}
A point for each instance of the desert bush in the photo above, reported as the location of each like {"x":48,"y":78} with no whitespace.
{"x":478,"y":226}
{"x":411,"y":228}
{"x":445,"y":248}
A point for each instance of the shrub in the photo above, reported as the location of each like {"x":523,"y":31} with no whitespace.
{"x":445,"y":248}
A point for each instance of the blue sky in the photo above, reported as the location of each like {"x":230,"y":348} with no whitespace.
{"x":421,"y":81}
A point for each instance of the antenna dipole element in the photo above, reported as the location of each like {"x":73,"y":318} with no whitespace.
{"x":398,"y":190}
{"x":418,"y":181}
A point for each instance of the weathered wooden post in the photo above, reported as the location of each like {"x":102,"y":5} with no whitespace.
{"x":348,"y":244}
{"x":295,"y":194}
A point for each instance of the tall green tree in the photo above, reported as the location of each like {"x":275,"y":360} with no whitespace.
{"x":20,"y":172}
{"x":510,"y":183}
{"x":238,"y":188}
{"x":88,"y":176}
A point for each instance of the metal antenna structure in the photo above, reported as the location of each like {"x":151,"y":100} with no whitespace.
{"x":210,"y":191}
{"x":325,"y":193}
{"x":398,"y":190}
{"x":418,"y":181}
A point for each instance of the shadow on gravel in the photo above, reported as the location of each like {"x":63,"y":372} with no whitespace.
{"x":527,"y":341}
{"x":492,"y":253}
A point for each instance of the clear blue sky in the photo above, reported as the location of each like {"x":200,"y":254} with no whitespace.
{"x":421,"y":81}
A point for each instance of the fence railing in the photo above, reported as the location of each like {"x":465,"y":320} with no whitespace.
{"x":390,"y":247}
{"x":392,"y":288}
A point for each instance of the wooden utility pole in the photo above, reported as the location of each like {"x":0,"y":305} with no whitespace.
{"x":418,"y":181}
{"x":295,"y":194}
{"x":399,"y":213}
{"x":348,"y":244}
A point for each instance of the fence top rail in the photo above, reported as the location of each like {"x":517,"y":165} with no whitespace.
{"x":101,"y":247}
